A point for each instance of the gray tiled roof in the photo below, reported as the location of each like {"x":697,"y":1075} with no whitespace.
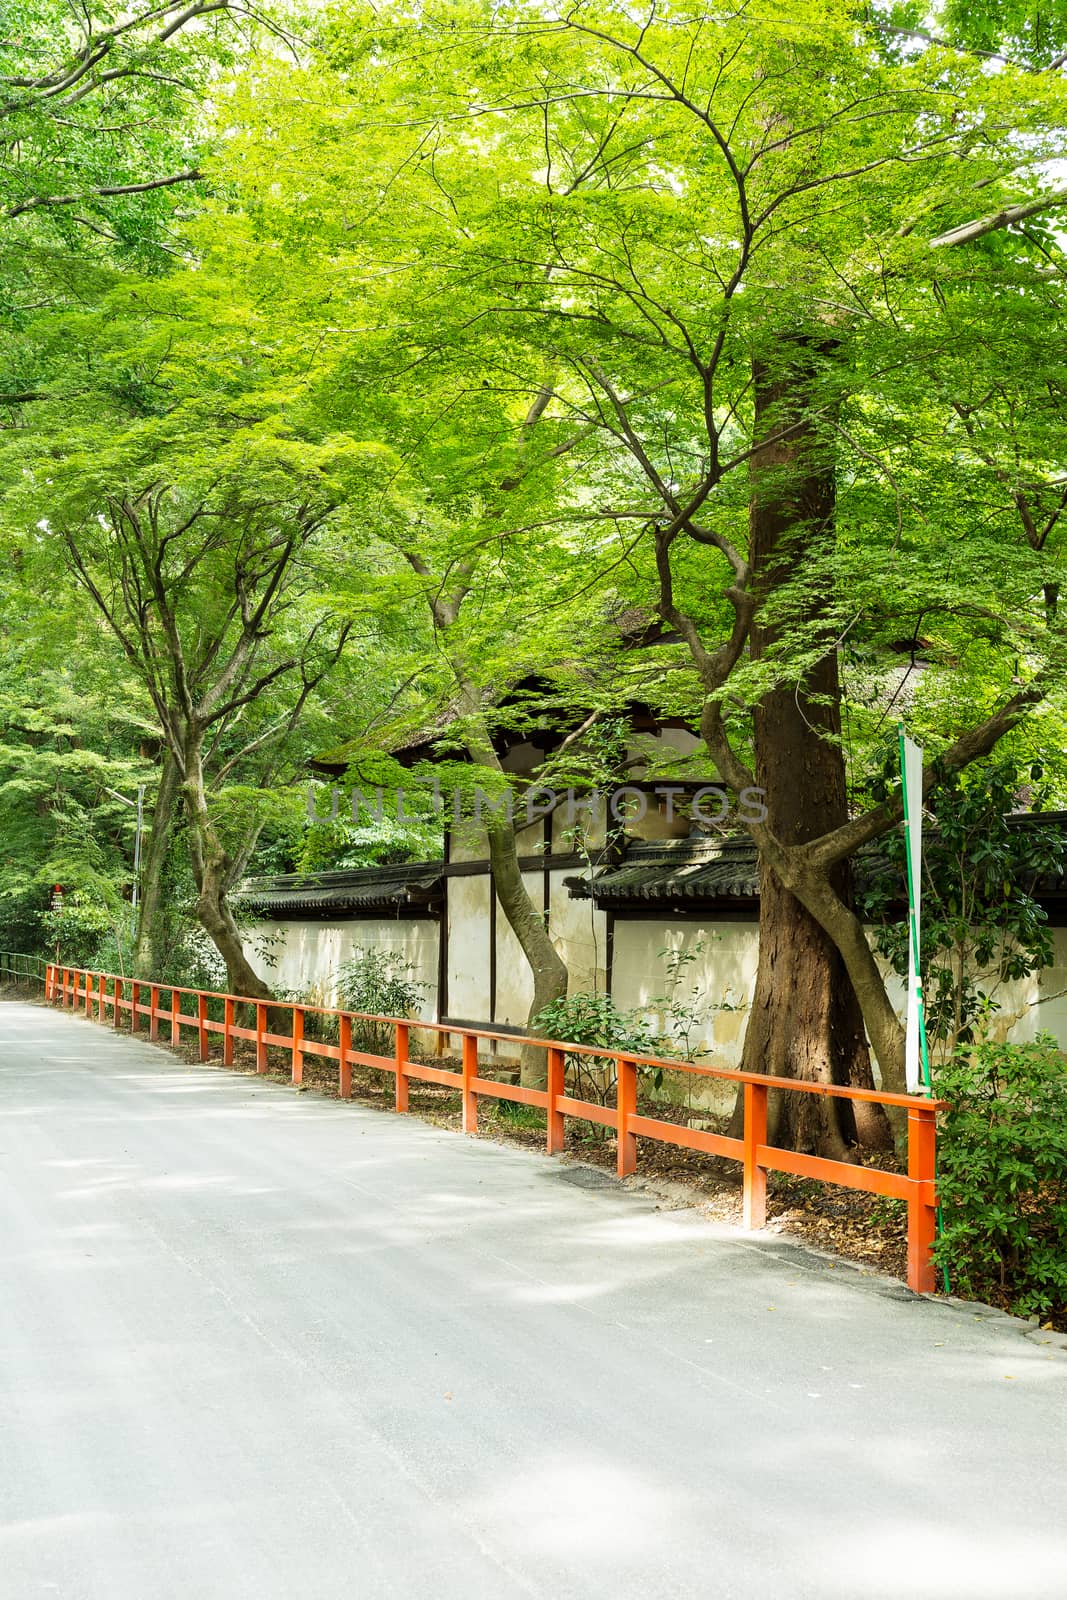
{"x":724,"y":870}
{"x":676,"y":869}
{"x":412,"y":886}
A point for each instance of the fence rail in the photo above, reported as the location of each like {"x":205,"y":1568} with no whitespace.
{"x":19,"y":968}
{"x":256,"y":1021}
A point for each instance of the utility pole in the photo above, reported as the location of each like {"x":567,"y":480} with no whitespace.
{"x":138,"y":806}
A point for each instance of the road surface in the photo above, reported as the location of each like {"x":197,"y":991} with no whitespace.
{"x":256,"y":1343}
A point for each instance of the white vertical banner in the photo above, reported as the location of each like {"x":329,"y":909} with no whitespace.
{"x":911,"y":772}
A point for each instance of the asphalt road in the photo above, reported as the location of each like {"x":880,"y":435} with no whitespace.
{"x":254,"y":1343}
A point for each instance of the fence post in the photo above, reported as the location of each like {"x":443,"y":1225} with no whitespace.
{"x":626,"y":1107}
{"x":201,"y":1020}
{"x":118,"y":990}
{"x":298,"y":1045}
{"x":470,"y":1072}
{"x":227,"y":1031}
{"x":922,"y":1202}
{"x":344,"y":1065}
{"x":135,"y":1021}
{"x":49,"y":969}
{"x":88,"y":990}
{"x":754,"y":1197}
{"x":261,"y":1039}
{"x":401,"y":1057}
{"x":101,"y":997}
{"x":555,"y":1135}
{"x":175,"y":1011}
{"x":153,"y":1011}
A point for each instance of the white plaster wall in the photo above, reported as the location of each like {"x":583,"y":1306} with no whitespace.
{"x":1038,"y":1005}
{"x":1034,"y":1005}
{"x":579,"y":822}
{"x":514,"y":980}
{"x":580,"y":934}
{"x":726,"y":973}
{"x":680,"y":739}
{"x":718,"y":982}
{"x":468,"y":947}
{"x":308,"y":954}
{"x":469,"y":843}
{"x":466,"y":843}
{"x":305,"y":956}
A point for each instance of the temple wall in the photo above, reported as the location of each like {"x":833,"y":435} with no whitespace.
{"x":303,"y":957}
{"x":716,"y":982}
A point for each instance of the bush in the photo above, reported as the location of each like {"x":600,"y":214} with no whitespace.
{"x":378,"y":981}
{"x":1003,"y":1174}
{"x":982,"y":926}
{"x":594,"y":1019}
{"x":80,"y":931}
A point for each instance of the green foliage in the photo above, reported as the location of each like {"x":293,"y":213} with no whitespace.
{"x":478,"y":313}
{"x":379,"y":817}
{"x":80,"y":933}
{"x":594,"y":1019}
{"x":981,"y":924}
{"x":342,"y":847}
{"x":579,"y":281}
{"x":1031,"y":32}
{"x":99,"y":98}
{"x":380,"y":983}
{"x":1003,"y":1174}
{"x":188,"y":958}
{"x":72,"y":735}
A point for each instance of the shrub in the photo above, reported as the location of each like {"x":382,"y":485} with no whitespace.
{"x":594,"y":1019}
{"x":78,"y":933}
{"x":982,"y":926}
{"x":378,"y":981}
{"x":1003,"y":1174}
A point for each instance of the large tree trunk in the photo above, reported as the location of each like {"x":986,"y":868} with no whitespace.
{"x":155,"y":859}
{"x":805,"y":1021}
{"x":528,"y":925}
{"x":211,"y":868}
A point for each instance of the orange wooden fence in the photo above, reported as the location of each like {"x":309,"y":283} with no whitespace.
{"x":133,"y":1000}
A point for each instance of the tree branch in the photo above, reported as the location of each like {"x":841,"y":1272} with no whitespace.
{"x":41,"y":200}
{"x":967,"y":232}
